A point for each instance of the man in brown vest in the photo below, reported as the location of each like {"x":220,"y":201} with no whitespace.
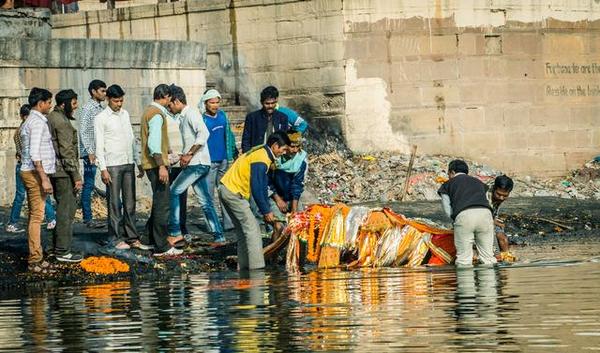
{"x":155,"y":152}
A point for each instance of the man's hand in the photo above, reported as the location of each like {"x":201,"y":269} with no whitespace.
{"x":106,"y":179}
{"x":499,"y":223}
{"x":141,"y":171}
{"x":163,"y":174}
{"x":269,"y":218}
{"x":78,"y":185}
{"x":184,"y":161}
{"x":46,"y":186}
{"x":92,"y":158}
{"x":281,"y":204}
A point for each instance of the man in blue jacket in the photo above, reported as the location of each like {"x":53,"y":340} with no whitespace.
{"x":262,"y":123}
{"x":286,"y":183}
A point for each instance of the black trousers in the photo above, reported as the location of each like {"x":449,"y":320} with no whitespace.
{"x":173,"y":173}
{"x":66,"y":204}
{"x":120,"y":197}
{"x":157,"y":227}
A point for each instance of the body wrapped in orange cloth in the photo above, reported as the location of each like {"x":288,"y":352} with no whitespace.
{"x":346,"y":236}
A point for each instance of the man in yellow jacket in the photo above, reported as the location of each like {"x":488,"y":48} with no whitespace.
{"x":247,"y":178}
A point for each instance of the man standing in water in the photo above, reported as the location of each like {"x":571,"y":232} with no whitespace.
{"x":247,"y":178}
{"x":499,"y":192}
{"x":464,"y":200}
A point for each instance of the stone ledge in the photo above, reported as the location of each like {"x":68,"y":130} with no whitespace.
{"x":151,"y":11}
{"x":100,"y":53}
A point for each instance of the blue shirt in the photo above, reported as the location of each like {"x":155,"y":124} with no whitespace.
{"x":216,"y":140}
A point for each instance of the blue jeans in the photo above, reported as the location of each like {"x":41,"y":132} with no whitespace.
{"x":217,"y":171}
{"x":15,"y":212}
{"x":194,"y":176}
{"x":89,"y":181}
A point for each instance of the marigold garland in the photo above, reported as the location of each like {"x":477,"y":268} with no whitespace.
{"x":103,"y":265}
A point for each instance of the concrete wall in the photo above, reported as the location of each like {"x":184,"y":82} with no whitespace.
{"x":512,"y":84}
{"x":55,"y":64}
{"x":509,"y":83}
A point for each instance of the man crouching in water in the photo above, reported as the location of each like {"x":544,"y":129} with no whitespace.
{"x":497,"y":194}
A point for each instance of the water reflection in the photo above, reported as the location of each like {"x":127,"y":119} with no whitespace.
{"x":546,"y":309}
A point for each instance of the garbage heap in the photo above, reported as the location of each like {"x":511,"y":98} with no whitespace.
{"x":345,"y":177}
{"x":343,"y":236}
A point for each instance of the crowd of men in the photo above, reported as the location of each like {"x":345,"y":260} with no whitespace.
{"x":181,"y":146}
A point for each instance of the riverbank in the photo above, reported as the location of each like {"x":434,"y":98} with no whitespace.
{"x":543,"y":222}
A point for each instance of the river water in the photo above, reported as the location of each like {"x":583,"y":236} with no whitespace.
{"x":534,"y":306}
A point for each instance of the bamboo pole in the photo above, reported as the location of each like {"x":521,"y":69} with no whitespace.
{"x":413,"y":153}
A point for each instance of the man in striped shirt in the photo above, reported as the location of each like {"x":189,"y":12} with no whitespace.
{"x":38,"y":160}
{"x":87,"y":148}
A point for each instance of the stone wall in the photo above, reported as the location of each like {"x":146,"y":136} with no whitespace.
{"x":510,"y":83}
{"x":55,"y":64}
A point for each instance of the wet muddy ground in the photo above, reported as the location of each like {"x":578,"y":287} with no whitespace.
{"x":543,"y":225}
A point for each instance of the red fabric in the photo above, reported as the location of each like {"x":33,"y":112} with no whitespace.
{"x":444,"y":241}
{"x":38,"y":3}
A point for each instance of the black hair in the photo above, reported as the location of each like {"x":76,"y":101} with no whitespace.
{"x":95,"y":84}
{"x":177,"y":93}
{"x":458,"y":166}
{"x":37,"y":95}
{"x":25,"y":110}
{"x":65,"y":97}
{"x":270,"y":92}
{"x":114,"y":91}
{"x":280,"y":138}
{"x":503,"y":182}
{"x":161,"y":91}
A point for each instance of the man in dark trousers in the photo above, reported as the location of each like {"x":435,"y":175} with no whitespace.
{"x":464,"y":200}
{"x":155,"y":161}
{"x":262,"y":123}
{"x":66,"y":181}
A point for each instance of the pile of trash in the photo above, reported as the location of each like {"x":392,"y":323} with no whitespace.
{"x":343,"y":177}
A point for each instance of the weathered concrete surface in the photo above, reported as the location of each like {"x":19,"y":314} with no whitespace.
{"x":55,"y":64}
{"x":25,"y":23}
{"x":488,"y":80}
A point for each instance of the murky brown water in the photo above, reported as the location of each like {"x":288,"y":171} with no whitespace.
{"x":537,"y":306}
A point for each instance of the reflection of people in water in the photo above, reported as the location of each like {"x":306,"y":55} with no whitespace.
{"x":478,"y":311}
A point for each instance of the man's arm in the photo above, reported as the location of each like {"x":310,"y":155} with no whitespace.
{"x":298,"y":186}
{"x":35,"y":144}
{"x":446,"y":205}
{"x":246,"y":134}
{"x":196,"y":123}
{"x":87,"y":131}
{"x":154,"y":145}
{"x":99,"y":145}
{"x":258,"y":186}
{"x":66,"y":152}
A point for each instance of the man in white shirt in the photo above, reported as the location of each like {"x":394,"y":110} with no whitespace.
{"x":195,"y":164}
{"x":116,"y":153}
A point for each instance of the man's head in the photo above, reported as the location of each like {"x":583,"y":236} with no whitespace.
{"x":268,"y":99}
{"x":178,"y":99}
{"x":24,"y":111}
{"x":457,"y":166}
{"x":97,"y":90}
{"x":212,"y":101}
{"x":503,"y":185}
{"x":278,"y":142}
{"x":295,"y":143}
{"x":162,"y":95}
{"x":115,"y":95}
{"x":67,"y":101}
{"x":40,"y":99}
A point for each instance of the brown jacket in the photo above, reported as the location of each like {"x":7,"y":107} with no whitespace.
{"x":148,"y":161}
{"x":64,"y":140}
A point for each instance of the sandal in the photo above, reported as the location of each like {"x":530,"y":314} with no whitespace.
{"x":42,"y":267}
{"x":176,"y":241}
